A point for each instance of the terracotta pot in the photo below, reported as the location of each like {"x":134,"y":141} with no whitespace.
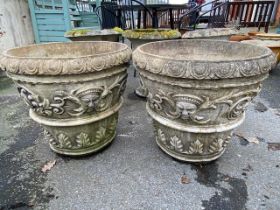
{"x":73,"y":89}
{"x":198,"y":92}
{"x":239,"y":38}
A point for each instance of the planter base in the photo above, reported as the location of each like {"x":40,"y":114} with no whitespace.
{"x":190,"y":158}
{"x":84,"y":151}
{"x":82,"y":139}
{"x":191,"y":146}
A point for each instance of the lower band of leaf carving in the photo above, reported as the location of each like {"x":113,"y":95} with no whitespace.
{"x":196,"y":147}
{"x":82,"y":139}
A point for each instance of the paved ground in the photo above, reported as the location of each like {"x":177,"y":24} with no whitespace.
{"x":133,"y":173}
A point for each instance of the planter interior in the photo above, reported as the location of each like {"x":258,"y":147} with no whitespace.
{"x":198,"y":92}
{"x":73,"y":89}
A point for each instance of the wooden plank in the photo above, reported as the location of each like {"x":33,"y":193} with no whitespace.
{"x":75,"y":18}
{"x":90,"y":20}
{"x":51,"y":27}
{"x":49,"y":16}
{"x":53,"y":39}
{"x":88,"y":15}
{"x":51,"y":33}
{"x":34,"y":21}
{"x":48,"y":11}
{"x":50,"y":22}
{"x":54,"y":5}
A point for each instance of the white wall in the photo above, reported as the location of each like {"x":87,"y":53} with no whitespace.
{"x":15,"y":24}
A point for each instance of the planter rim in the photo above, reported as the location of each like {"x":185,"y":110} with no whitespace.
{"x":209,"y":32}
{"x":90,"y":35}
{"x":155,"y":39}
{"x":151,"y":36}
{"x":263,"y":42}
{"x":70,"y":64}
{"x":201,"y":68}
{"x":104,"y":32}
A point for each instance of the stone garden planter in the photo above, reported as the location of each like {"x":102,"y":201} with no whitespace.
{"x":211,"y":33}
{"x":139,"y":37}
{"x":274,"y":45}
{"x":198,"y":92}
{"x":87,"y":34}
{"x":73,"y":89}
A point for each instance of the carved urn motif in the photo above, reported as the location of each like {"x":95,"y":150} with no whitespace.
{"x":73,"y":89}
{"x":198,"y":92}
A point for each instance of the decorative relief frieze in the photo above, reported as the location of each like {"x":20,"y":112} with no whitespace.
{"x":76,"y":102}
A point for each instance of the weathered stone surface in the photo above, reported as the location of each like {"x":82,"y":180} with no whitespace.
{"x":73,"y":89}
{"x":211,"y":33}
{"x":272,"y":44}
{"x":198,"y":92}
{"x":64,"y":58}
{"x":88,"y":34}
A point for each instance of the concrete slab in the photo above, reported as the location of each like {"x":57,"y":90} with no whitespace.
{"x":133,"y":173}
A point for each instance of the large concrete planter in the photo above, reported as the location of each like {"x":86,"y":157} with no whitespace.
{"x":211,"y":33}
{"x":73,"y":89}
{"x":139,"y":37}
{"x":87,"y":34}
{"x":198,"y":92}
{"x":274,"y":45}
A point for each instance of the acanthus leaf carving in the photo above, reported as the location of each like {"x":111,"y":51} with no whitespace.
{"x":64,"y":141}
{"x":100,"y":134}
{"x":112,"y":126}
{"x":79,"y":141}
{"x":161,"y":136}
{"x":216,"y":146}
{"x":176,"y":144}
{"x":83,"y":140}
{"x":196,"y":147}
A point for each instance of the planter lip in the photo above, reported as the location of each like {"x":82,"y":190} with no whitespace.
{"x":203,"y":69}
{"x":210,"y":32}
{"x":68,"y":64}
{"x":155,"y":39}
{"x":263,"y":42}
{"x":91,"y":32}
{"x":152,"y":36}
